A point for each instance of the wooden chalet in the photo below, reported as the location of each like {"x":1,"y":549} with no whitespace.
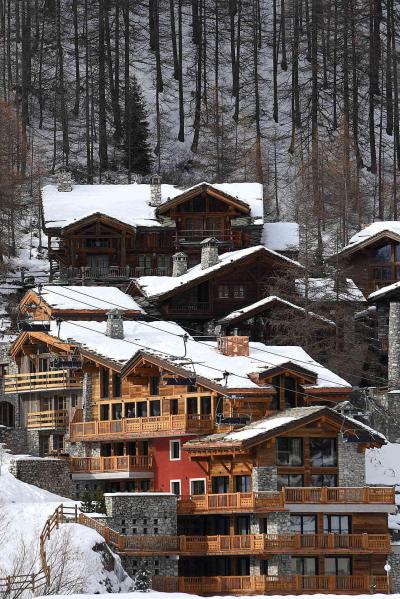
{"x":219,"y":285}
{"x":372,"y":257}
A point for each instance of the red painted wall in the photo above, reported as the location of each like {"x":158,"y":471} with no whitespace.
{"x":166,"y":470}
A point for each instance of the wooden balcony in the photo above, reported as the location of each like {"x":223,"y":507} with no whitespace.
{"x":111,"y":464}
{"x":50,"y":420}
{"x":151,"y":426}
{"x":113,"y":273}
{"x":255,"y":544}
{"x":364,"y":495}
{"x":41,"y":381}
{"x":258,"y":585}
{"x":196,"y":236}
{"x":231,"y":502}
{"x":197,"y":307}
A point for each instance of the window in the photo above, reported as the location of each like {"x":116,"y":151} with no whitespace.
{"x":289,"y":451}
{"x":141,"y":409}
{"x":205,"y":405}
{"x":242,"y":525}
{"x":323,"y":480}
{"x":116,"y":410}
{"x":338,"y":566}
{"x":104,"y":382}
{"x":116,"y":383}
{"x":337,"y":524}
{"x":305,"y":566}
{"x":154,"y":385}
{"x":197,"y":486}
{"x":238,"y":291}
{"x":155,"y":530}
{"x":303,"y":524}
{"x":173,"y":407}
{"x":175,"y":486}
{"x":98,"y":243}
{"x":74,"y":401}
{"x":191,"y":405}
{"x":383,"y":254}
{"x":290,"y":480}
{"x":220,"y":484}
{"x":144,"y":485}
{"x":174,"y":450}
{"x":223,"y":291}
{"x":155,"y":408}
{"x":242,"y":484}
{"x":323,"y":452}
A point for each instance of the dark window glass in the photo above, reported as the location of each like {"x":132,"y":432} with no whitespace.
{"x":173,"y":406}
{"x":104,"y":412}
{"x":154,"y":385}
{"x":323,"y":480}
{"x":290,"y":480}
{"x":98,"y":243}
{"x":105,"y":375}
{"x":191,"y":405}
{"x":303,"y":524}
{"x":289,"y":451}
{"x":141,"y":409}
{"x":205,"y":405}
{"x":144,"y":485}
{"x":242,"y":525}
{"x":220,"y":484}
{"x":176,"y":487}
{"x":155,"y":408}
{"x":337,"y":523}
{"x":116,"y":411}
{"x":323,"y":452}
{"x":304,"y":566}
{"x":175,"y":450}
{"x":397,"y":252}
{"x":242,"y":484}
{"x":197,"y":487}
{"x":338,"y":566}
{"x":130,"y":410}
{"x":289,"y":391}
{"x":383,"y":254}
{"x":116,"y":380}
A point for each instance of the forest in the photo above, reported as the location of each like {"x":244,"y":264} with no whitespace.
{"x":301,"y":95}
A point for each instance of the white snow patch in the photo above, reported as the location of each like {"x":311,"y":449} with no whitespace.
{"x":281,"y":236}
{"x":87,"y":298}
{"x":324,"y":290}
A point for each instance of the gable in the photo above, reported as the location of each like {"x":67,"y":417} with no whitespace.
{"x":205,"y":198}
{"x":97,"y":224}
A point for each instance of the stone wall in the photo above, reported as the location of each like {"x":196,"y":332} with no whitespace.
{"x":87,"y":388}
{"x":264,"y":478}
{"x":394,"y":561}
{"x":351,"y":464}
{"x":50,"y":474}
{"x":20,"y":440}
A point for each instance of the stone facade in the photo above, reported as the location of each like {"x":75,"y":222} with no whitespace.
{"x":179,"y":264}
{"x":115,"y":324}
{"x":64,"y":181}
{"x":264,"y":478}
{"x":394,"y":347}
{"x":394,"y":561}
{"x":46,"y":473}
{"x":87,"y":392}
{"x":351,"y":464}
{"x":209,"y":253}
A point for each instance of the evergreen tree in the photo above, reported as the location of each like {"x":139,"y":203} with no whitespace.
{"x":87,"y":501}
{"x":137,"y":148}
{"x":99,"y":503}
{"x":142,"y":580}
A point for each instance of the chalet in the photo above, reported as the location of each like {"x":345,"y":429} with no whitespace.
{"x":215,"y":287}
{"x":372,"y":256}
{"x":109,"y":233}
{"x":52,"y":302}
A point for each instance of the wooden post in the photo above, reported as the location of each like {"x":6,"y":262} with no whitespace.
{"x":324,"y":494}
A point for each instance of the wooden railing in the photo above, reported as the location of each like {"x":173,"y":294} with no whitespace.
{"x":115,"y":272}
{"x":50,"y":419}
{"x":230,"y":502}
{"x":41,"y":381}
{"x":365,"y":495}
{"x":149,"y":426}
{"x":194,"y":307}
{"x":111,"y":464}
{"x":198,"y":235}
{"x":251,"y":585}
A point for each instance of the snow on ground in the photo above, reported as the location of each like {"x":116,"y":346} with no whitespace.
{"x":383,"y":465}
{"x":156,"y":595}
{"x":24,"y":511}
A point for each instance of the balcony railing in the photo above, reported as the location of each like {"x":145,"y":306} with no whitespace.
{"x":294,"y":584}
{"x":197,"y":307}
{"x":339,"y":495}
{"x":115,"y":272}
{"x":41,"y":381}
{"x":111,"y":464}
{"x":198,"y":235}
{"x":230,"y":502}
{"x":50,"y":419}
{"x":149,"y":426}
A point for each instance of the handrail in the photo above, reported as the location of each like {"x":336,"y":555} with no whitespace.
{"x":339,"y":495}
{"x":111,"y":463}
{"x":37,"y":381}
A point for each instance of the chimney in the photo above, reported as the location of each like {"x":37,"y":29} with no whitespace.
{"x":115,"y":324}
{"x":64,"y":181}
{"x":209,"y":252}
{"x":179,"y":264}
{"x":155,"y":190}
{"x":234,"y":345}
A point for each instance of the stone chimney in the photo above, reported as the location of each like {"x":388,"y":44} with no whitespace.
{"x":209,"y":252}
{"x":234,"y":345}
{"x":155,"y":190}
{"x":64,"y":181}
{"x":115,"y":324}
{"x":179,"y":264}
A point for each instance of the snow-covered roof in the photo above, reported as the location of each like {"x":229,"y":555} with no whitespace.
{"x":74,"y":297}
{"x":156,"y":286}
{"x":164,"y":339}
{"x":281,"y":236}
{"x":324,"y":290}
{"x":384,"y":291}
{"x":126,"y":203}
{"x":265,"y":303}
{"x":369,"y":233}
{"x":129,"y":203}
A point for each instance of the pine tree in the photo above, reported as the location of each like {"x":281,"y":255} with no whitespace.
{"x":87,"y":501}
{"x":99,"y":502}
{"x":142,"y":580}
{"x":137,"y":148}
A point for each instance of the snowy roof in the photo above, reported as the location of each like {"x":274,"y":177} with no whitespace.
{"x":157,"y":286}
{"x":281,"y":236}
{"x":371,"y":232}
{"x":164,"y":339}
{"x":383,"y":465}
{"x":386,"y":291}
{"x":264,"y":304}
{"x":324,"y":290}
{"x":129,"y":203}
{"x":73,"y":297}
{"x":273,"y":424}
{"x":126,"y":203}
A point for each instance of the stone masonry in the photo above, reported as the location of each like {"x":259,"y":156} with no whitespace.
{"x":115,"y":324}
{"x":264,"y":478}
{"x":209,"y":253}
{"x":351,"y":464}
{"x":87,"y":390}
{"x":393,"y":429}
{"x":179,"y":264}
{"x":50,"y":474}
{"x":141,"y":514}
